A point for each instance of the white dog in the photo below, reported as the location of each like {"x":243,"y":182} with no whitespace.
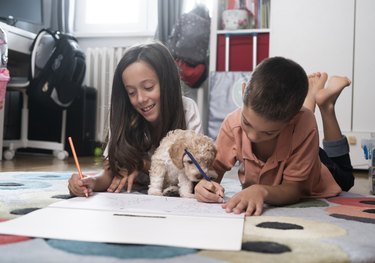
{"x":172,"y":171}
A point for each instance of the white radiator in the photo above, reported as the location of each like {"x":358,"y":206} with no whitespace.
{"x":100,"y":67}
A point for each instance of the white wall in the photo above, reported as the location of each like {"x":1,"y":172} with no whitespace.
{"x":335,"y":36}
{"x":318,"y":36}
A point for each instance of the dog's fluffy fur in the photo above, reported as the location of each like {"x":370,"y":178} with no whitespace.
{"x":172,"y":172}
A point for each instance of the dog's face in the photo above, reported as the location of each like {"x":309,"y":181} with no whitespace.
{"x":191,"y":171}
{"x":203,"y":150}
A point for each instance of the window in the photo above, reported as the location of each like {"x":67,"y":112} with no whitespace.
{"x":115,"y":17}
{"x":190,"y":4}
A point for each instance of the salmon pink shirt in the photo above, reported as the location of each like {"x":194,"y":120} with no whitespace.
{"x":295,"y":158}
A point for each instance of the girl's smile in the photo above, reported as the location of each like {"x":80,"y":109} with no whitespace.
{"x":143,"y":88}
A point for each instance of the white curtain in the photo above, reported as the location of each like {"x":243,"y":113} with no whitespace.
{"x":59,"y":15}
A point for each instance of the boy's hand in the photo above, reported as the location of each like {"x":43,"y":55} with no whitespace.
{"x":81,"y":187}
{"x":119,"y":181}
{"x":209,"y":192}
{"x":249,"y":200}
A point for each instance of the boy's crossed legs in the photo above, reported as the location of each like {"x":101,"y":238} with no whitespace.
{"x":336,"y":149}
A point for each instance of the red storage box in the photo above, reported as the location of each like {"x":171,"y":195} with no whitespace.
{"x":241,"y":51}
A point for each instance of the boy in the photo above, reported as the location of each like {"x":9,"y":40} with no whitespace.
{"x":276,"y":141}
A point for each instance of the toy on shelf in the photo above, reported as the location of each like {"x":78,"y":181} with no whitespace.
{"x":368,"y":146}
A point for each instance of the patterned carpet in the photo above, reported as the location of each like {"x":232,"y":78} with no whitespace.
{"x":324,"y":230}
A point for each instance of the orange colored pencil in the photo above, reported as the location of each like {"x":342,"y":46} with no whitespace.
{"x":76,"y":159}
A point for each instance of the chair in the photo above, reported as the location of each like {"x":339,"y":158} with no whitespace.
{"x":58,"y":148}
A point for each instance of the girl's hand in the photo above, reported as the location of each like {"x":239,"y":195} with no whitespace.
{"x":209,"y":192}
{"x":249,"y":200}
{"x":81,"y":187}
{"x":119,"y":181}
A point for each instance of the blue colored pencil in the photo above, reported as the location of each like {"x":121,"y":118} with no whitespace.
{"x":197,"y":165}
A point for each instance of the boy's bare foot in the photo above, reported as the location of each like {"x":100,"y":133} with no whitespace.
{"x":326,"y":98}
{"x":316,"y":84}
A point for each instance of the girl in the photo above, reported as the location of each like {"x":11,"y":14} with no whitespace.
{"x":146,"y":103}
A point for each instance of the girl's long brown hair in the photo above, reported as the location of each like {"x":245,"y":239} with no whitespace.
{"x":131,"y":136}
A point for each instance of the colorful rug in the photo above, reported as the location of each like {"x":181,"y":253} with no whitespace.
{"x":323,"y":230}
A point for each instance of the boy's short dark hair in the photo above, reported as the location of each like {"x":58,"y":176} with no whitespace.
{"x":277,"y":89}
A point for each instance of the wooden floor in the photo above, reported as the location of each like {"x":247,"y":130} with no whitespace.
{"x":46,"y":162}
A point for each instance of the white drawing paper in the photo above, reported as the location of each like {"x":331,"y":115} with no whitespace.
{"x":133,"y":219}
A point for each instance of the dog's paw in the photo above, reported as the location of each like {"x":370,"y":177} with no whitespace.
{"x":153,"y":191}
{"x":171,"y":191}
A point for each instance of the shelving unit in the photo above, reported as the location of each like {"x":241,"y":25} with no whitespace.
{"x":216,"y":54}
{"x":231,"y":51}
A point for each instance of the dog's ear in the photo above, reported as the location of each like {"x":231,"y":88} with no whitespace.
{"x":212,"y":153}
{"x":176,"y":152}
